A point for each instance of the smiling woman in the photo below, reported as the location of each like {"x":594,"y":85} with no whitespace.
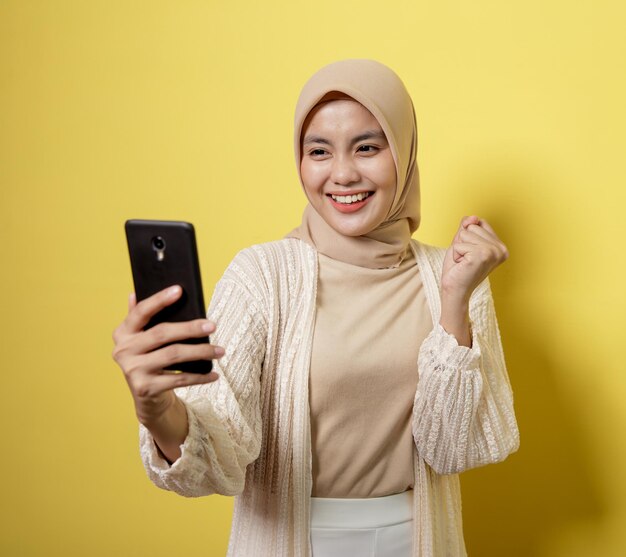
{"x":358,"y":371}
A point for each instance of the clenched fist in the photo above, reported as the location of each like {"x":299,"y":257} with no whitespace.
{"x":475,"y":251}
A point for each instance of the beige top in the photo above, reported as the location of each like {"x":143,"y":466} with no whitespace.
{"x":362,"y":385}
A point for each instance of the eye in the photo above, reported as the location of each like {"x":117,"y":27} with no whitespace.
{"x":368,"y":149}
{"x":318,"y":152}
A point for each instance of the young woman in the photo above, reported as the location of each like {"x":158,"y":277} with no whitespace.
{"x":358,"y":371}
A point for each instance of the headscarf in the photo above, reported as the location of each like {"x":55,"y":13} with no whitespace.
{"x":382,"y":92}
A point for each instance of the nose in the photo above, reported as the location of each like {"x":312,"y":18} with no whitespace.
{"x":344,"y":171}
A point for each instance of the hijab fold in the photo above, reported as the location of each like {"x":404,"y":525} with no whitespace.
{"x":382,"y":92}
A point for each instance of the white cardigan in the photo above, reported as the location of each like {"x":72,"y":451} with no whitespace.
{"x":249,"y":432}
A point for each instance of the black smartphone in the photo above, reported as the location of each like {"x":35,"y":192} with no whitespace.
{"x":162,"y":254}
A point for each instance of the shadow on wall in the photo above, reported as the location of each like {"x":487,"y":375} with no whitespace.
{"x":514,"y":508}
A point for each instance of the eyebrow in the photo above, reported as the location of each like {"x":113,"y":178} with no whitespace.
{"x":370,"y":134}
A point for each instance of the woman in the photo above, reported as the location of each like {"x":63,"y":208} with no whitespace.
{"x":360,"y":372}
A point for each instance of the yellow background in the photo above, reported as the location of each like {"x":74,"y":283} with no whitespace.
{"x":183,"y":110}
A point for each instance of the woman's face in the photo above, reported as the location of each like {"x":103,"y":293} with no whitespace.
{"x":347,"y":168}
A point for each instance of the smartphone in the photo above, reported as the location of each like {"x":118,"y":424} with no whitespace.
{"x":162,"y":254}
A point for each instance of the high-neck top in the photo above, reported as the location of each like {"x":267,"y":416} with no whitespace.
{"x":369,"y":326}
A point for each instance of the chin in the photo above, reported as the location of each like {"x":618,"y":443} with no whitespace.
{"x":352,"y":231}
{"x":346,"y":226}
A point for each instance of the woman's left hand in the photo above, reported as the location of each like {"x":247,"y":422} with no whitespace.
{"x":475,"y":251}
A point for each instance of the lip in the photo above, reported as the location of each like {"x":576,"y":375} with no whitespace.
{"x":348,"y":192}
{"x":352,"y":207}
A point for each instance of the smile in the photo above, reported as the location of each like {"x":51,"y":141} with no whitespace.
{"x":350,"y":203}
{"x":349,"y":199}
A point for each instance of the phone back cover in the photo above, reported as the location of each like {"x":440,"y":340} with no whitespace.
{"x":177,"y":263}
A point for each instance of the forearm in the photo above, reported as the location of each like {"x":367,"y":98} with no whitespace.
{"x":455,"y":318}
{"x":170,"y":429}
{"x":463,"y":414}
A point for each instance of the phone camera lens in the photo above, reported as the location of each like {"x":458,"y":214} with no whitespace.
{"x":158,"y":243}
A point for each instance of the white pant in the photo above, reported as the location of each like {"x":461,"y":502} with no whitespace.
{"x":377,"y":527}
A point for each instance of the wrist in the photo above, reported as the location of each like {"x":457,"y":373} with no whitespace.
{"x":455,"y":304}
{"x":169,"y":429}
{"x":455,"y":296}
{"x":455,"y":319}
{"x":455,"y":322}
{"x":154,"y":411}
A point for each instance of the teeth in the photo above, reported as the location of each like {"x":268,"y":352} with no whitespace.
{"x":347,"y":199}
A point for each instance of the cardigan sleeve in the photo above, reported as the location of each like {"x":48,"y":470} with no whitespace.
{"x":224,"y":416}
{"x":463,"y":414}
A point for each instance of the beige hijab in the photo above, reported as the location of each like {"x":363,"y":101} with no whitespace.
{"x":379,"y":90}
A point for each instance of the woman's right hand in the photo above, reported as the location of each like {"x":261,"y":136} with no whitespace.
{"x":143,"y":357}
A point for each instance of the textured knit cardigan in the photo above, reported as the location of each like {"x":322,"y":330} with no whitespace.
{"x":249,"y":432}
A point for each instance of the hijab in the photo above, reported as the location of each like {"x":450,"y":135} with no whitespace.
{"x":380,"y":91}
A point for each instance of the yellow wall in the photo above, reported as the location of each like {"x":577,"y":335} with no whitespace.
{"x":182,"y":110}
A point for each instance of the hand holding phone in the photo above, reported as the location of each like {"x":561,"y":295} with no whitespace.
{"x":165,"y":328}
{"x":140,"y":354}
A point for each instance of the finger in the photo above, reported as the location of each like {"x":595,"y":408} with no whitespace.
{"x":167,"y":333}
{"x":480,"y":231}
{"x":466,"y":221}
{"x":122,"y":329}
{"x":154,"y":385}
{"x":482,"y":253}
{"x":168,"y":381}
{"x":485,"y":230}
{"x":458,"y":230}
{"x":475,"y":238}
{"x":461,"y":249}
{"x":146,"y":309}
{"x":158,"y":360}
{"x":487,"y":227}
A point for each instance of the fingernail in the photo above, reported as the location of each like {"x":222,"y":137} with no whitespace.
{"x":173,"y":291}
{"x":219,"y":351}
{"x":208,"y":327}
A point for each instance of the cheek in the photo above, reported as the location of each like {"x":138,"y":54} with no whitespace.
{"x":387,"y":178}
{"x":310,"y":177}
